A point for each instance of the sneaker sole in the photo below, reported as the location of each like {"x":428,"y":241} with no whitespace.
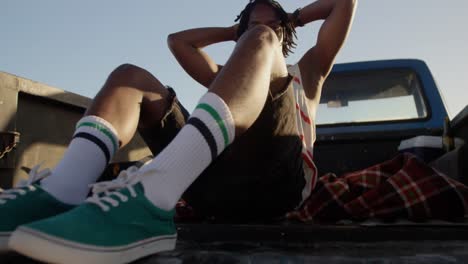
{"x":4,"y":237}
{"x":51,"y":249}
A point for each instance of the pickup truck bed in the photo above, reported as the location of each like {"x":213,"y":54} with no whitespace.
{"x":368,"y":242}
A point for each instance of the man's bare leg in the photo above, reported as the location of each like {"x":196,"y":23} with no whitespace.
{"x":245,"y":80}
{"x":130,"y":96}
{"x":235,"y":100}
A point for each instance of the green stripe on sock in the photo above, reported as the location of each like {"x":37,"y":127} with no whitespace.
{"x":104,"y":130}
{"x":218,"y":119}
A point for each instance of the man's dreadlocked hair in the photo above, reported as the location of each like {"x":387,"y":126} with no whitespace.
{"x":289,"y":31}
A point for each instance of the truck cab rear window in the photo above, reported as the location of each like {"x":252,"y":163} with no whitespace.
{"x":371,"y":96}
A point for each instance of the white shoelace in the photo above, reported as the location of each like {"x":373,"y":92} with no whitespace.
{"x":24,"y":186}
{"x":103,"y":191}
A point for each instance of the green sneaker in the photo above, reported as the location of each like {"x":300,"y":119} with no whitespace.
{"x":116,"y":225}
{"x":26,"y":203}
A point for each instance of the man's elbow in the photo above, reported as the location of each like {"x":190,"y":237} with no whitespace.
{"x":178,"y":41}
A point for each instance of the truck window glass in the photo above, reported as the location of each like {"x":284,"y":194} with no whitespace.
{"x":371,"y":96}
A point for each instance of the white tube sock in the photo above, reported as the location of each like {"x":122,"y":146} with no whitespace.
{"x":209,"y":130}
{"x":94,"y":143}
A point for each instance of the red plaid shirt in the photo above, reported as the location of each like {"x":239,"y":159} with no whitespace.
{"x":404,"y":187}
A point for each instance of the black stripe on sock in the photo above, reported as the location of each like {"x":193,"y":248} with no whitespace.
{"x":96,"y":141}
{"x":206,"y":133}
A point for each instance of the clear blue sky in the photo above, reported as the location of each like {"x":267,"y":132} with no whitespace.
{"x":74,"y":45}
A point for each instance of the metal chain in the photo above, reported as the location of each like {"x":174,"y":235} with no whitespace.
{"x":7,"y":150}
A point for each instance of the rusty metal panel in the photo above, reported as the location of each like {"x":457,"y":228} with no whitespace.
{"x":46,"y":117}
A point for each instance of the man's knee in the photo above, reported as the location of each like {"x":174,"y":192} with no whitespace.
{"x":129,"y":75}
{"x":260,"y":35}
{"x":129,"y":72}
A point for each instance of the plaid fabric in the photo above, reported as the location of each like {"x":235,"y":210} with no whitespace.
{"x":404,"y":187}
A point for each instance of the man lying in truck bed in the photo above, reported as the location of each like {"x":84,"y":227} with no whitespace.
{"x":405,"y":87}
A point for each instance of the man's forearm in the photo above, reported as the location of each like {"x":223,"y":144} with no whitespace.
{"x":321,"y":9}
{"x":202,"y":37}
{"x":187,"y":47}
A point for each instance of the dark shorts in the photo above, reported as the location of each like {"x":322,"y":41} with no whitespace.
{"x":258,"y":176}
